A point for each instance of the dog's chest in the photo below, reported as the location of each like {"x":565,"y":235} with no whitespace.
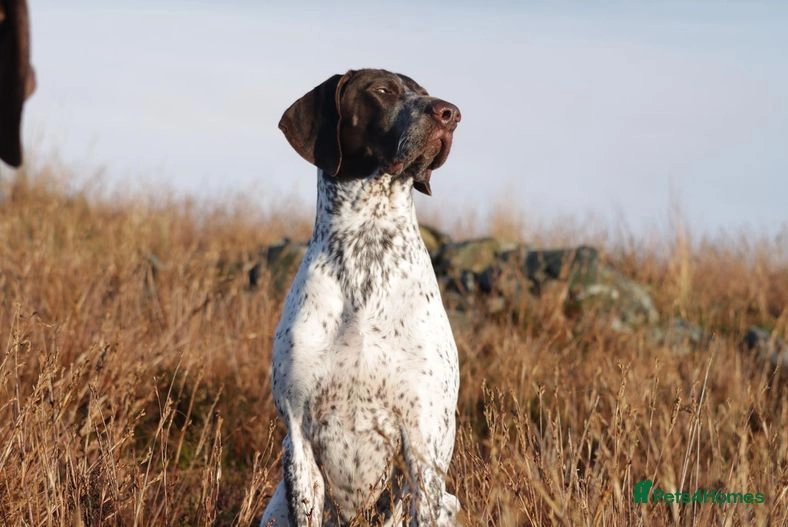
{"x":361,"y":358}
{"x":364,"y":323}
{"x":364,"y":354}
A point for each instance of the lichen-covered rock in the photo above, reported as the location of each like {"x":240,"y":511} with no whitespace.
{"x":469,"y":256}
{"x":766,"y":346}
{"x":628,"y":302}
{"x":577,"y":266}
{"x":488,"y":276}
{"x":281,"y":262}
{"x":511,"y":272}
{"x":679,"y":336}
{"x":434,"y":240}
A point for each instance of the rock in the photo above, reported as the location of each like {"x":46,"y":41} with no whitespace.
{"x":633,"y":304}
{"x":512,"y":265}
{"x":503,"y":272}
{"x":487,"y":276}
{"x":680,"y":336}
{"x":433,"y":239}
{"x":576,"y":266}
{"x":473,"y":255}
{"x":756,"y":338}
{"x":520,"y":270}
{"x":479,"y":267}
{"x":504,"y":282}
{"x":767,"y":347}
{"x":281,"y":261}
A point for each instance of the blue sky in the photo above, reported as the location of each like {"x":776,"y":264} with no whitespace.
{"x":568,"y":109}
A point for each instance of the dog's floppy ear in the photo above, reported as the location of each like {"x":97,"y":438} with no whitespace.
{"x":17,"y":79}
{"x":312,"y":124}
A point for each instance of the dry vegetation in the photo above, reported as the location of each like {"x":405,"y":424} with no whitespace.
{"x":135,"y":364}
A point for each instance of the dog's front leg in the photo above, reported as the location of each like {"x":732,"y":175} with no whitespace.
{"x":276,"y":514}
{"x":302,"y":478}
{"x":430,"y":503}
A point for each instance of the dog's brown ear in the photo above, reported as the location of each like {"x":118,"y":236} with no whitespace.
{"x":312,"y":124}
{"x":17,"y":79}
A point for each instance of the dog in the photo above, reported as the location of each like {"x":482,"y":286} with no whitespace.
{"x":17,"y":77}
{"x":365,"y":369}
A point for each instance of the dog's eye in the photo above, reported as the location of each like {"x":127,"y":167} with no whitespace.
{"x":383,"y":90}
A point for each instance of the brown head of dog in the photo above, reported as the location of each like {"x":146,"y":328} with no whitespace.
{"x":372,"y":121}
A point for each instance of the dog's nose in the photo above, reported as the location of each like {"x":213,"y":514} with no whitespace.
{"x":445,"y":113}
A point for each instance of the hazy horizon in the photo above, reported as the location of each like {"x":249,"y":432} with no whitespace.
{"x":568,"y":110}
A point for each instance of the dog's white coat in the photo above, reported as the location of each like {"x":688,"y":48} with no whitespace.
{"x":365,"y":364}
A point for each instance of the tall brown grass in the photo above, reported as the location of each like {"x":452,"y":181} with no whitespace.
{"x":135,"y":366}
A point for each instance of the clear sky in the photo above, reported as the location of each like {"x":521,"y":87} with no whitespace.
{"x":568,"y":109}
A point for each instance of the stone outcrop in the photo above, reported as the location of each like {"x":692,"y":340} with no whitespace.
{"x":490,"y":277}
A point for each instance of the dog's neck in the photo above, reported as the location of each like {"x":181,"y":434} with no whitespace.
{"x":367,"y":230}
{"x":377,"y":199}
{"x":364,"y":205}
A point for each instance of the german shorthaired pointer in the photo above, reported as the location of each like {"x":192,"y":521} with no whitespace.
{"x":365,"y":371}
{"x":17,"y":79}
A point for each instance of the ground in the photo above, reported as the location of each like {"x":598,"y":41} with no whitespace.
{"x":135,"y":374}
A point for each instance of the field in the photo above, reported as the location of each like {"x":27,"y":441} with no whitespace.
{"x":135,"y":375}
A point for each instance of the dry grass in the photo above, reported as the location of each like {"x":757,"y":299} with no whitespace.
{"x":135,"y":364}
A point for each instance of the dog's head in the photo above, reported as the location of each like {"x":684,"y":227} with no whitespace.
{"x":369,"y":120}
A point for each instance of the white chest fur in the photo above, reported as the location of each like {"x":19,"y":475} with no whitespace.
{"x":364,"y":357}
